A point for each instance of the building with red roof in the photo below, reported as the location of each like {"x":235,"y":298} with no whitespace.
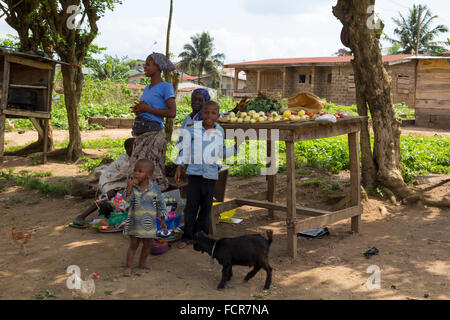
{"x":422,"y":82}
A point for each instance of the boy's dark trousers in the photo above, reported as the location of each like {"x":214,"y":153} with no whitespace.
{"x":199,"y":195}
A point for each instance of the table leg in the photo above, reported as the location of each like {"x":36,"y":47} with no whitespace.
{"x":291,"y":200}
{"x":44,"y":157}
{"x":2,"y":135}
{"x":212,"y":227}
{"x":271,"y":179}
{"x":355,"y":177}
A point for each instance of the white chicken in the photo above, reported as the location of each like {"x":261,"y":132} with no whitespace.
{"x":87,"y":288}
{"x":10,"y":124}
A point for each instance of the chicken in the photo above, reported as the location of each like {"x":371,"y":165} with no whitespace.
{"x":10,"y":124}
{"x":87,"y":288}
{"x":21,"y":238}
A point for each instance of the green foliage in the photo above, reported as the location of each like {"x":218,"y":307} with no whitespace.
{"x":263,"y":104}
{"x":332,"y":108}
{"x":401,"y":109}
{"x":424,"y":155}
{"x":112,"y":68}
{"x":24,"y":178}
{"x":245,"y":171}
{"x":9,"y":149}
{"x":315,"y":182}
{"x":98,"y":99}
{"x":89,"y":164}
{"x":44,"y":295}
{"x":93,"y":50}
{"x":406,"y":32}
{"x":336,"y":186}
{"x":331,"y":153}
{"x":10,"y":42}
{"x":38,"y":174}
{"x":106,"y":143}
{"x":420,"y":156}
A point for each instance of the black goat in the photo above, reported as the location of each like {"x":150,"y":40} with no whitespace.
{"x":248,"y":250}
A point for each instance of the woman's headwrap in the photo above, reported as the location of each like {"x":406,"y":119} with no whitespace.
{"x":204,"y":92}
{"x":163,"y":63}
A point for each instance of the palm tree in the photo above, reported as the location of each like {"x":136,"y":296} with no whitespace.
{"x":407,"y":29}
{"x":198,"y":57}
{"x":111,"y":68}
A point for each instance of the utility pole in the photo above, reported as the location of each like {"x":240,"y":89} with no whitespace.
{"x":418,"y":30}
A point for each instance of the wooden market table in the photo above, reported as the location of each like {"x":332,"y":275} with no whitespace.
{"x":291,"y":133}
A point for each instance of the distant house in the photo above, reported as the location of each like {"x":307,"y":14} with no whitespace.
{"x":135,"y":76}
{"x":421,"y":82}
{"x":186,"y":88}
{"x":225,"y":81}
{"x":184,"y":77}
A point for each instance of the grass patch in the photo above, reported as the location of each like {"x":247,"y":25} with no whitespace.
{"x":44,"y":295}
{"x":29,"y":181}
{"x":315,"y":182}
{"x":420,"y":156}
{"x":88,"y":164}
{"x":15,"y":148}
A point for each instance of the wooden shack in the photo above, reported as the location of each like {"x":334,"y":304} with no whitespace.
{"x":432,"y":99}
{"x":26,"y":91}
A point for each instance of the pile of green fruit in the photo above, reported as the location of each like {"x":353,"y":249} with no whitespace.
{"x":263,"y":104}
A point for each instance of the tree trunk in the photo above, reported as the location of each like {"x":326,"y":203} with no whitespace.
{"x":169,"y":26}
{"x":73,"y":83}
{"x":369,"y":170}
{"x":171,"y":77}
{"x":373,"y":85}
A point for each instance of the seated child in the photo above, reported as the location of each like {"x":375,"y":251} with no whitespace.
{"x":146,"y":204}
{"x":201,"y":176}
{"x":112,"y":181}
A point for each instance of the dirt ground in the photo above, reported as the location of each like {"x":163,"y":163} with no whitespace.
{"x":413,"y":243}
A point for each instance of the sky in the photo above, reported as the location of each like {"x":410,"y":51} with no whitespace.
{"x":243,"y":30}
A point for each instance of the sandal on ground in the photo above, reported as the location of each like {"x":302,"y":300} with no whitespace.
{"x":79,"y":224}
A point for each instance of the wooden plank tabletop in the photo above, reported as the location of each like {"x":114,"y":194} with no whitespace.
{"x":312,"y":124}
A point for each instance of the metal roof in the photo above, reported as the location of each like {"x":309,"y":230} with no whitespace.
{"x":33,"y":56}
{"x":312,"y":61}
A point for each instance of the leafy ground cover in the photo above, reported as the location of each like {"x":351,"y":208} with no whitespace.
{"x":420,"y":155}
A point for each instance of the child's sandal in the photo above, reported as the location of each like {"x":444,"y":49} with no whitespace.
{"x":79,"y":224}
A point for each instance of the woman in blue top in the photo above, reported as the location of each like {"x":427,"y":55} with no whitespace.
{"x":157,"y":102}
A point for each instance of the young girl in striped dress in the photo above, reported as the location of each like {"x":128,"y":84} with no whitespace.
{"x":146,"y":204}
